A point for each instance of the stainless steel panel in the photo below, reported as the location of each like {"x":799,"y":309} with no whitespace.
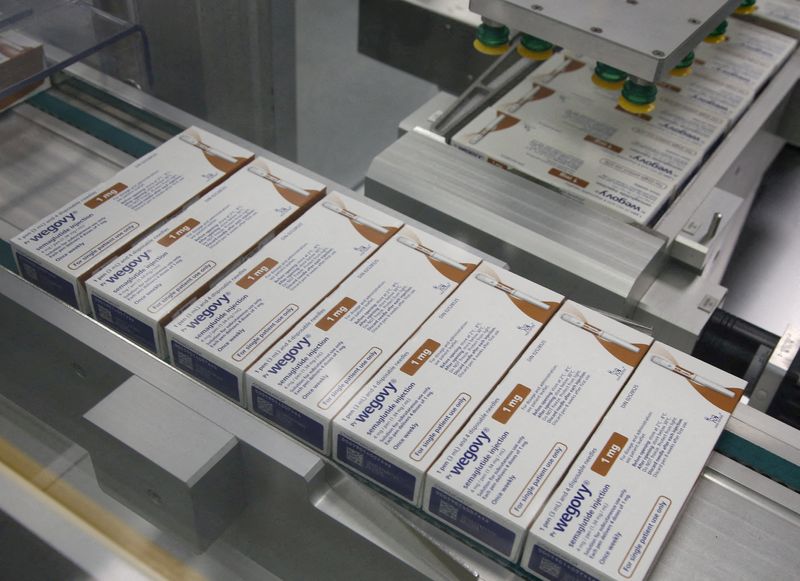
{"x":702,"y":234}
{"x":737,"y":525}
{"x":678,"y":305}
{"x":764,"y":278}
{"x":167,"y":462}
{"x":401,"y":33}
{"x":163,"y":430}
{"x":584,"y":254}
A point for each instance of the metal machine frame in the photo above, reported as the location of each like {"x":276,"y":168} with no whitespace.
{"x":662,"y":277}
{"x":292,"y":490}
{"x":644,"y":38}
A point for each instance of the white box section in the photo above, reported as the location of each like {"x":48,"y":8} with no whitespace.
{"x":137,"y":294}
{"x":59,"y":253}
{"x":631,"y":181}
{"x":219,"y":336}
{"x":780,"y":15}
{"x":396,"y":427}
{"x":303,"y":382}
{"x":726,"y":77}
{"x":682,"y":123}
{"x":584,"y":147}
{"x":496,"y":474}
{"x":612,"y":513}
{"x":753,"y":43}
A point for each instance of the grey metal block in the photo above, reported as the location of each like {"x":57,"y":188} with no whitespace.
{"x":168,"y":463}
{"x":646,"y":38}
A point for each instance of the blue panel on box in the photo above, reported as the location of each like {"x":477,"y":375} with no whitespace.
{"x":125,"y":324}
{"x":370,"y":464}
{"x":553,"y":567}
{"x":206,"y":371}
{"x":47,"y":281}
{"x":467,"y":519}
{"x":288,"y":418}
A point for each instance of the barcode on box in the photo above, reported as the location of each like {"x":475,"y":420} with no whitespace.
{"x":355,"y":457}
{"x":185,"y":360}
{"x":448,"y":510}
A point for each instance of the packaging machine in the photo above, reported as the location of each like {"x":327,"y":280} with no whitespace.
{"x":185,"y":483}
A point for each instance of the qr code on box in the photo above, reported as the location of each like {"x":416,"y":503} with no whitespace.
{"x":448,"y":510}
{"x":548,"y":567}
{"x":30,"y":273}
{"x":186,"y":361}
{"x":355,"y":457}
{"x":104,"y":313}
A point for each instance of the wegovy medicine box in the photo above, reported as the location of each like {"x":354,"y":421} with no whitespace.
{"x":557,"y":127}
{"x":219,"y":336}
{"x":494,"y":477}
{"x":60,"y":252}
{"x":137,"y":294}
{"x":612,"y":513}
{"x":303,"y":382}
{"x":396,"y":427}
{"x":629,"y":181}
{"x":681,"y":124}
{"x":780,"y":15}
{"x":560,"y":129}
{"x":727,"y":77}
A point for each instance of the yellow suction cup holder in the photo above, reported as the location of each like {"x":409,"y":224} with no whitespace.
{"x":534,"y":48}
{"x":747,"y":7}
{"x":635,"y":108}
{"x":490,"y":50}
{"x":683,"y":68}
{"x":609,"y":85}
{"x":638,"y":96}
{"x":718,"y":34}
{"x":534,"y":55}
{"x":491,"y":39}
{"x":608,"y":77}
{"x":715,"y":39}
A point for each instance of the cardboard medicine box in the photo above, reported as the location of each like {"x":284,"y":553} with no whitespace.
{"x":61,"y":251}
{"x":138,"y":293}
{"x":224,"y":332}
{"x":397,"y":426}
{"x":303,"y":382}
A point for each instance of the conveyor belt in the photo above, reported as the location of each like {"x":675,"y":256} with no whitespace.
{"x":738,"y":525}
